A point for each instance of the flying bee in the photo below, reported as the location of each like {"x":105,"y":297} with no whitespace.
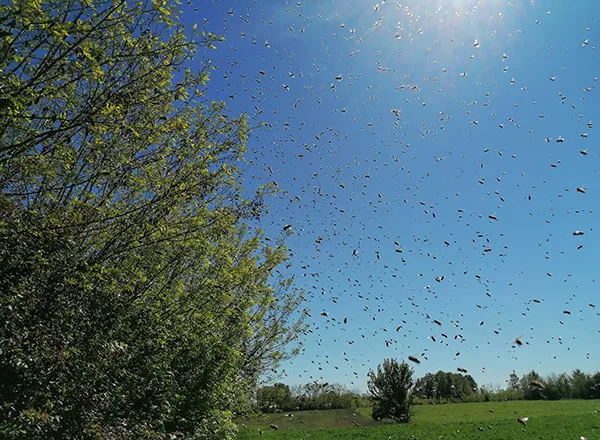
{"x":414,"y":359}
{"x":537,"y":384}
{"x":518,"y":341}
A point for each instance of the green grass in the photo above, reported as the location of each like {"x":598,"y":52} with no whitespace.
{"x":333,"y":418}
{"x":558,"y":420}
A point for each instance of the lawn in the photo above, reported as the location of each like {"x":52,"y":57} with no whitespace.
{"x":566,"y":419}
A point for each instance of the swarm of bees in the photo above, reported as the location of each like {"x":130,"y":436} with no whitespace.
{"x":339,"y":241}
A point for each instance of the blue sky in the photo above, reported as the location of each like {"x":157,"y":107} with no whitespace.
{"x":417,"y":140}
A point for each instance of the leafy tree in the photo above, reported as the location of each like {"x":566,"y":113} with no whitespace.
{"x":445,"y":386}
{"x":595,"y":385}
{"x":426,"y":386}
{"x":558,"y":387}
{"x":390,"y":387}
{"x":580,"y":384}
{"x":316,"y":395}
{"x":273,"y":397}
{"x":136,"y":301}
{"x":513,"y":382}
{"x":466,"y":385}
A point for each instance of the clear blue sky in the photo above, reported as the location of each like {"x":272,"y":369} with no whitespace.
{"x":418,"y":140}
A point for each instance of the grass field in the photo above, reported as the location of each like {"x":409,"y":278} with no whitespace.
{"x":566,"y":419}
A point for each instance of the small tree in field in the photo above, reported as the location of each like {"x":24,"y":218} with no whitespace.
{"x":390,"y":388}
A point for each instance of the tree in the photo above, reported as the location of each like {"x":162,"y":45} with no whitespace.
{"x":595,"y":385}
{"x":274,"y":397}
{"x":390,"y":388}
{"x":136,"y":300}
{"x":425,"y":386}
{"x":557,"y":387}
{"x":580,"y":384}
{"x":514,"y":382}
{"x":446,"y":386}
{"x":315,"y":395}
{"x":468,"y":385}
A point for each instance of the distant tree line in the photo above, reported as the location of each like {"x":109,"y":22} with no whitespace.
{"x":436,"y":388}
{"x":281,"y":397}
{"x":444,"y":387}
{"x":577,"y":385}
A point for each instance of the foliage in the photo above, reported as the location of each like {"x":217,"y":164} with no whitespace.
{"x":135,"y":300}
{"x":489,"y":395}
{"x":514,"y":382}
{"x":578,"y":385}
{"x":390,"y":387}
{"x":445,"y":386}
{"x":316,"y":395}
{"x":310,"y":396}
{"x":558,"y":387}
{"x":594,"y":385}
{"x":532,"y":386}
{"x":273,"y":397}
{"x":582,"y":385}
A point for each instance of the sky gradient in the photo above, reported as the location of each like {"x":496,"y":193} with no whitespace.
{"x":436,"y":159}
